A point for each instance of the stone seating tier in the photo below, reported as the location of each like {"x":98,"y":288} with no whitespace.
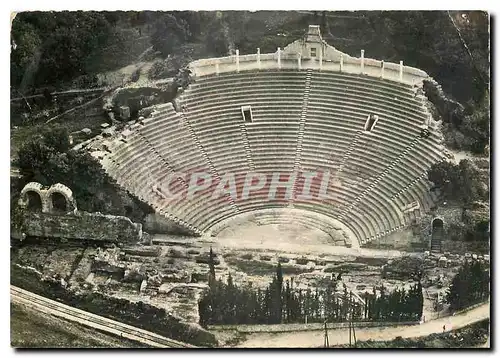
{"x":290,"y":131}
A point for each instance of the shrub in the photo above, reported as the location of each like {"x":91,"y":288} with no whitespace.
{"x":302,"y":261}
{"x":176,"y":254}
{"x":135,"y":75}
{"x":158,"y":70}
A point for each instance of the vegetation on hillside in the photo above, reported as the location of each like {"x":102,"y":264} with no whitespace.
{"x":464,"y":185}
{"x":469,"y":286}
{"x":78,"y":41}
{"x":459,"y":183}
{"x":47,"y":158}
{"x":50,"y":48}
{"x":471,"y":130}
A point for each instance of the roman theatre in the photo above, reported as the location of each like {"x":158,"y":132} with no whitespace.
{"x":306,"y":108}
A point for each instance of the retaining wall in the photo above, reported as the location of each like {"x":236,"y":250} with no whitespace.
{"x":277,"y":328}
{"x":82,"y":226}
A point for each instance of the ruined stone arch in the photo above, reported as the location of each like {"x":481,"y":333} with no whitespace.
{"x":60,"y":199}
{"x":33,"y":197}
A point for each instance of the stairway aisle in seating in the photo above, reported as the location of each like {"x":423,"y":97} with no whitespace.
{"x":248,"y":151}
{"x":351,"y":147}
{"x":300,"y":135}
{"x":207,"y":158}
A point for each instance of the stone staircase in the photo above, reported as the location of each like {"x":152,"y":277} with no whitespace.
{"x":436,"y":242}
{"x":248,"y":152}
{"x":349,"y":150}
{"x":300,"y":134}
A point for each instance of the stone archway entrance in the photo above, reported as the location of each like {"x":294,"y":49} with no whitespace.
{"x":58,"y":202}
{"x":437,"y":234}
{"x":34,"y":201}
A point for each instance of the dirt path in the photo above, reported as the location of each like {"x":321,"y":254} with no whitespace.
{"x":306,"y":339}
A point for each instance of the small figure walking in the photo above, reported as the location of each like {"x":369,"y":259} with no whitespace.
{"x":444,"y":328}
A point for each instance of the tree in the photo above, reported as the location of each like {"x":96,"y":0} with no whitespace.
{"x":216,"y":40}
{"x":476,"y":126}
{"x":54,"y":47}
{"x":228,"y":303}
{"x":278,"y":296}
{"x":459,"y":183}
{"x":420,"y":300}
{"x":26,"y":49}
{"x":211,"y":265}
{"x":470,"y":285}
{"x":39,"y":157}
{"x":169,"y":33}
{"x":46,"y":159}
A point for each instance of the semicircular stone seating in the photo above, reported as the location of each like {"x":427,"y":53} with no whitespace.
{"x":302,"y":121}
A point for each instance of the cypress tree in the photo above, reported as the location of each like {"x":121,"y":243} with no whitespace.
{"x":211,"y":266}
{"x":287,"y":301}
{"x":366,"y":298}
{"x":345,"y":303}
{"x":278,"y":294}
{"x":420,"y":300}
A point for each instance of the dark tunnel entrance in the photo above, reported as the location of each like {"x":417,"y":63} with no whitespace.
{"x":59,"y":203}
{"x":34,"y":201}
{"x":437,"y":235}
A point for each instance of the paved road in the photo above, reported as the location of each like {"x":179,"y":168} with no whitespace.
{"x":91,"y":320}
{"x":341,"y":336}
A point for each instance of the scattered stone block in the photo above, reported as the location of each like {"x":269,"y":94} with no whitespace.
{"x":86,"y":131}
{"x":124,"y":112}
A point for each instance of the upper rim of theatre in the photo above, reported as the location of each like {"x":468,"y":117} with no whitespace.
{"x":301,"y":48}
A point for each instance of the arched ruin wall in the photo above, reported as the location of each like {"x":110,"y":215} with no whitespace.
{"x":74,"y":224}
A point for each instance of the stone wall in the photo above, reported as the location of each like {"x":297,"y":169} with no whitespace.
{"x":44,"y":220}
{"x":461,"y":247}
{"x":158,"y":224}
{"x":452,"y":216}
{"x":82,"y":226}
